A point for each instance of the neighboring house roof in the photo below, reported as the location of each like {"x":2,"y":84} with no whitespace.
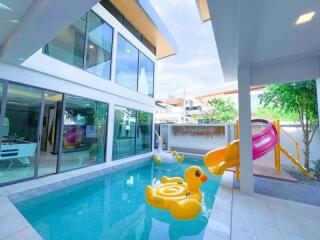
{"x":226,"y":92}
{"x":172,"y":101}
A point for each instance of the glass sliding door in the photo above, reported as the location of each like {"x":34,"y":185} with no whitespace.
{"x":144,"y":132}
{"x":84,"y":133}
{"x":124,"y":132}
{"x":50,"y":133}
{"x":20,"y":133}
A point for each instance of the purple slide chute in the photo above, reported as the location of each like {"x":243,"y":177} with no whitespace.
{"x":264,"y":141}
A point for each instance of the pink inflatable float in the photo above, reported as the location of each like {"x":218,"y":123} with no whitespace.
{"x":73,"y":136}
{"x":264,"y":141}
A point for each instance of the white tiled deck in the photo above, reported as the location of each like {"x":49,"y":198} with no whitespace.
{"x":265,"y":218}
{"x":219,"y":223}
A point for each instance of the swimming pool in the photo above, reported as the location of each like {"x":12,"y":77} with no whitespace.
{"x":113,"y":207}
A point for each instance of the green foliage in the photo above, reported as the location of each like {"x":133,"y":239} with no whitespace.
{"x":221,"y":111}
{"x":269,"y":112}
{"x":316,"y":169}
{"x":144,"y":117}
{"x":93,"y":151}
{"x":299,"y":101}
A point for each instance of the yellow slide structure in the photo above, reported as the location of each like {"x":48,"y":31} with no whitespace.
{"x":218,"y":160}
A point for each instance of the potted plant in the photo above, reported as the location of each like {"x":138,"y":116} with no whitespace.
{"x":93,"y":151}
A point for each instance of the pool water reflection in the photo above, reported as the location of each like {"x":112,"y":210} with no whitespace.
{"x":114,"y":207}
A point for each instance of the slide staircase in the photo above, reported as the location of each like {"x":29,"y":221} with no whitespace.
{"x":294,"y":159}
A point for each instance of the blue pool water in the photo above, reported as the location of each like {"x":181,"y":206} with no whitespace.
{"x":113,"y":207}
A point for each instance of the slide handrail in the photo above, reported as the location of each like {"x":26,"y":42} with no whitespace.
{"x":297,"y":144}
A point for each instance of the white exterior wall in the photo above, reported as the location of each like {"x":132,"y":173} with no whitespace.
{"x":48,"y":73}
{"x":197,"y":142}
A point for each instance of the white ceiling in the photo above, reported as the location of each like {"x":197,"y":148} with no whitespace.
{"x":262,"y":34}
{"x":271,"y":32}
{"x":11,"y":12}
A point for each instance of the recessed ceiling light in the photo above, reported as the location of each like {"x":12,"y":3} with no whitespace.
{"x":13,"y":21}
{"x":305,"y":18}
{"x":91,"y":46}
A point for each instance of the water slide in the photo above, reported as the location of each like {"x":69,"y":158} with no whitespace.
{"x":218,"y":160}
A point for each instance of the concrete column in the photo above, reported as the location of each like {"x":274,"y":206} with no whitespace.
{"x":246,"y":172}
{"x":318,"y":94}
{"x":114,"y":56}
{"x":169,"y":136}
{"x":110,"y":131}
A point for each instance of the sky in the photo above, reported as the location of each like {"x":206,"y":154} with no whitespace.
{"x":195,"y":69}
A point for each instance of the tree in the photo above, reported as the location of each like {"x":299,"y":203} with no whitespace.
{"x":297,"y":99}
{"x":220,"y":111}
{"x":271,"y":113}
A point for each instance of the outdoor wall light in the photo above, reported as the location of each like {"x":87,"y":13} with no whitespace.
{"x":305,"y":18}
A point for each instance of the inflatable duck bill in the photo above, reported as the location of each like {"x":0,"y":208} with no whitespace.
{"x":182,"y":197}
{"x":164,"y":157}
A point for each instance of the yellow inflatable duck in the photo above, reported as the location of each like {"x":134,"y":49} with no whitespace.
{"x":177,"y":156}
{"x":165,"y":157}
{"x":181,"y":198}
{"x":174,"y":157}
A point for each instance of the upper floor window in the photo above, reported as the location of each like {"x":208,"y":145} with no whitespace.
{"x":99,"y":46}
{"x":127,"y":64}
{"x":69,"y":46}
{"x":146,"y":75}
{"x":134,"y":70}
{"x":90,"y":35}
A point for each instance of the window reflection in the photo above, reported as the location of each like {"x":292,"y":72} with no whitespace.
{"x":132,"y":132}
{"x":69,"y":45}
{"x":84,"y":132}
{"x":127,"y":64}
{"x":124,"y":132}
{"x":50,"y":133}
{"x":99,"y":46}
{"x":144,"y":132}
{"x":146,"y":68}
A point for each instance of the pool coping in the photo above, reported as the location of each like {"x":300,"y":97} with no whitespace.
{"x":219,"y":224}
{"x":15,"y":226}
